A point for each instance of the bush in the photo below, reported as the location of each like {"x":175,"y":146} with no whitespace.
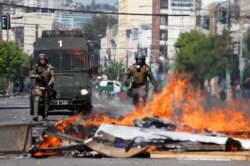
{"x":3,"y":84}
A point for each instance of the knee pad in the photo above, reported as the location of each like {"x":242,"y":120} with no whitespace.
{"x":37,"y":99}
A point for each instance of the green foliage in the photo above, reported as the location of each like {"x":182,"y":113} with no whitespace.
{"x":11,"y":58}
{"x":98,"y":26}
{"x":113,"y":70}
{"x":3,"y":83}
{"x":202,"y":55}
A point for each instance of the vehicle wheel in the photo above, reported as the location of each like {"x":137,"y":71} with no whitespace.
{"x":31,"y":111}
{"x":87,"y":110}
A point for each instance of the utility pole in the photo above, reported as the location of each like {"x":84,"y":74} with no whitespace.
{"x":241,"y":59}
{"x":195,"y":10}
{"x":228,"y":54}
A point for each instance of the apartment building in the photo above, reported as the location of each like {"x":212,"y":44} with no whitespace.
{"x":68,"y":21}
{"x":27,"y":27}
{"x":54,"y":4}
{"x":244,"y":11}
{"x":129,"y":21}
{"x":174,"y":17}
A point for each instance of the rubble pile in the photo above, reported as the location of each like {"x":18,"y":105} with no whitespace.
{"x":148,"y":134}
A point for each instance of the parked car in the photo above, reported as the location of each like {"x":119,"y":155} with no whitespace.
{"x":110,"y":89}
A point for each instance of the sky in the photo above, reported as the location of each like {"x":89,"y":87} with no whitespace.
{"x":111,"y":2}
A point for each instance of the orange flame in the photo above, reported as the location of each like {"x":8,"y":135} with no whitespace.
{"x":48,"y":142}
{"x":183,"y":105}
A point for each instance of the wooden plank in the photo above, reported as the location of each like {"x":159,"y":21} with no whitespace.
{"x":203,"y":155}
{"x":194,"y":146}
{"x":112,"y":151}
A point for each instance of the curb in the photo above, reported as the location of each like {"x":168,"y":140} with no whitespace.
{"x":14,"y":107}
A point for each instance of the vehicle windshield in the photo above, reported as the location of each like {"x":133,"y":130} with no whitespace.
{"x":67,"y":61}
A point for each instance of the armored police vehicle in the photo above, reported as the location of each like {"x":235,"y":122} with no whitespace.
{"x":68,"y":54}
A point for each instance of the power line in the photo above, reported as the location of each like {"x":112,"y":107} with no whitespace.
{"x":92,"y":12}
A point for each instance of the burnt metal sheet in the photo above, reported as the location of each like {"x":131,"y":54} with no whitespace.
{"x":112,"y":151}
{"x":15,"y":137}
{"x":129,"y":132}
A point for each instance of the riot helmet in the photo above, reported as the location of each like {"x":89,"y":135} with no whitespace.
{"x":140,"y":59}
{"x":43,"y":57}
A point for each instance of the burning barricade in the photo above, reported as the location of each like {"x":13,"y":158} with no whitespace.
{"x":176,"y":120}
{"x":126,"y":141}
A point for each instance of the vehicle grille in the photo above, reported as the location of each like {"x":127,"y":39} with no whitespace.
{"x":66,"y":93}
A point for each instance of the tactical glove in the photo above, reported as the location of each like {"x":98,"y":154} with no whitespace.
{"x":39,"y":78}
{"x":49,"y":87}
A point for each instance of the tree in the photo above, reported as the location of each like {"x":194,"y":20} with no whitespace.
{"x":98,"y":26}
{"x":115,"y":70}
{"x":206,"y":56}
{"x":10,"y":61}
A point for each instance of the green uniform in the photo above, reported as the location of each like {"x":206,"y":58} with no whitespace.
{"x":139,"y":78}
{"x":46,"y":72}
{"x":40,"y":91}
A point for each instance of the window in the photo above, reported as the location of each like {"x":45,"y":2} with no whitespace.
{"x":164,"y":50}
{"x":163,"y":35}
{"x":135,"y":33}
{"x":164,"y":4}
{"x":182,"y":3}
{"x":110,"y":84}
{"x":66,"y":60}
{"x":164,"y":20}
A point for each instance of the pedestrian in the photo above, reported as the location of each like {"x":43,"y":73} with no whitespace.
{"x":246,"y":87}
{"x":44,"y":79}
{"x":236,"y":89}
{"x":137,"y":79}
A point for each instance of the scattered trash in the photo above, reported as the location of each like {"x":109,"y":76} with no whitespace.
{"x":155,"y":122}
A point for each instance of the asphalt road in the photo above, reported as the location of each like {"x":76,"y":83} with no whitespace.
{"x":16,"y":109}
{"x":114,"y":108}
{"x":64,"y":161}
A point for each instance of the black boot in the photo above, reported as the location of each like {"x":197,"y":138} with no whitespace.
{"x":35,"y":119}
{"x":46,"y":109}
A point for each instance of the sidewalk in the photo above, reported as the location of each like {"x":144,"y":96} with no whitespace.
{"x":14,"y":94}
{"x":14,"y":101}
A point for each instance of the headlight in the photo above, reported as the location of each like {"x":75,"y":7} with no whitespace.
{"x":84,"y":92}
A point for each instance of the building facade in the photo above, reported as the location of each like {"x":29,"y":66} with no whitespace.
{"x":27,"y":27}
{"x":68,"y":21}
{"x":244,"y":11}
{"x":175,"y":17}
{"x":108,"y":52}
{"x":129,"y":21}
{"x":54,"y":4}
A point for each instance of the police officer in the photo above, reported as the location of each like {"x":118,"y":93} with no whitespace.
{"x":138,"y":74}
{"x":44,"y":79}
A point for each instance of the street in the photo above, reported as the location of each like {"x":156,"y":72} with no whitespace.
{"x":64,"y":161}
{"x":15,"y":109}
